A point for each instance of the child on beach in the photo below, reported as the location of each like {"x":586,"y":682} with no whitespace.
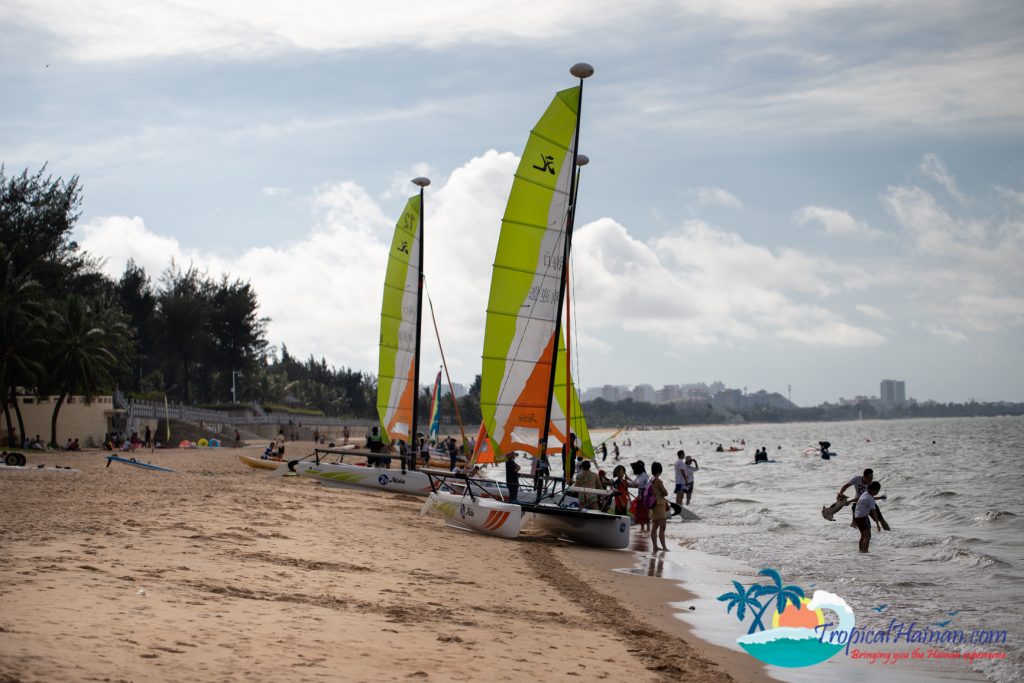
{"x":620,"y":484}
{"x":641,"y":481}
{"x":659,"y":514}
{"x":864,"y":509}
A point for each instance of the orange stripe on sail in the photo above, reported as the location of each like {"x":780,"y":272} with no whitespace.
{"x":403,"y":411}
{"x":531,"y":404}
{"x":483,"y":453}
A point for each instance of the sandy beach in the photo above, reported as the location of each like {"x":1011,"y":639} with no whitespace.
{"x":219,"y":572}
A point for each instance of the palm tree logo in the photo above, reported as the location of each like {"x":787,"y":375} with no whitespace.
{"x":775,"y":592}
{"x":785,"y":626}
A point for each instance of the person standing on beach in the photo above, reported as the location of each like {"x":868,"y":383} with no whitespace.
{"x":615,"y":450}
{"x":279,"y":443}
{"x":864,"y":511}
{"x":424,"y":449}
{"x":149,"y":437}
{"x":659,"y":513}
{"x":587,"y":479}
{"x":641,"y":480}
{"x":620,"y":484}
{"x":453,"y":451}
{"x":681,"y":479}
{"x":512,"y":476}
{"x":569,"y":457}
{"x":375,"y":444}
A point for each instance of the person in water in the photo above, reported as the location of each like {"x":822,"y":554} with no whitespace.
{"x":682,"y":479}
{"x":864,"y":510}
{"x":659,"y":513}
{"x":860,"y":484}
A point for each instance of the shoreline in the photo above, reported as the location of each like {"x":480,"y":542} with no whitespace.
{"x":219,"y":571}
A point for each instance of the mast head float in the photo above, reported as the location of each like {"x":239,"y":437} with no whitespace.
{"x":421,"y":181}
{"x":582,"y":160}
{"x":581,"y":70}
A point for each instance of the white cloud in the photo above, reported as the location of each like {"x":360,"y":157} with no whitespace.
{"x":701,"y":286}
{"x":696,"y":286}
{"x":966,"y":276}
{"x":947,"y":333}
{"x":872,"y":311}
{"x":272,"y":191}
{"x":714,"y":196}
{"x":120,"y":29}
{"x":119,"y":238}
{"x":835,"y":222}
{"x":933,"y":167}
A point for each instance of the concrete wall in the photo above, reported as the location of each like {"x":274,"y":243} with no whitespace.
{"x":76,"y":418}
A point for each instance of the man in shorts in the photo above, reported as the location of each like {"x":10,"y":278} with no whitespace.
{"x":860,"y":484}
{"x":682,"y":480}
{"x":864,"y":510}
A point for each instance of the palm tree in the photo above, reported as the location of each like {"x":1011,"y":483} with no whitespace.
{"x":86,"y":342}
{"x":776,"y":593}
{"x":741,"y":600}
{"x":22,"y":337}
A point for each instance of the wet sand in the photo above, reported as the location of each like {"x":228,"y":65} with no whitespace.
{"x":221,"y":572}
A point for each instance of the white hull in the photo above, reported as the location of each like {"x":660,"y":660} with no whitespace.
{"x":484,"y":515}
{"x":586,"y":527}
{"x":344,"y":475}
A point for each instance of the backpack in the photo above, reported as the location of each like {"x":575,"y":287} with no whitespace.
{"x":647,"y":498}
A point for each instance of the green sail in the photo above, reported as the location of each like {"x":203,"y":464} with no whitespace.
{"x":522,"y":309}
{"x":396,"y":386}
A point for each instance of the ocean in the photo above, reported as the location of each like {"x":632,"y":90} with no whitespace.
{"x":953,"y":561}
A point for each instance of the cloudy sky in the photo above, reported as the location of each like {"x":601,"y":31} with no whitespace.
{"x":808,"y":193}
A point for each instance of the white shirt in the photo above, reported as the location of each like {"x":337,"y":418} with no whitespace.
{"x":680,"y":475}
{"x":642,"y":480}
{"x":858,"y":484}
{"x":689,"y":469}
{"x":865,"y":504}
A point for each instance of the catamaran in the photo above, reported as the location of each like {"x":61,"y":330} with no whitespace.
{"x":528,"y":400}
{"x":399,"y":370}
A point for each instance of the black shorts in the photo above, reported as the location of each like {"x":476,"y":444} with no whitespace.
{"x":680,"y":488}
{"x":863,"y":523}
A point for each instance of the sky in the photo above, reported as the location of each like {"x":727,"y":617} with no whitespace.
{"x":801,"y":196}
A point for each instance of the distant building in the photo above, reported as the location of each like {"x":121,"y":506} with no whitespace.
{"x":644,"y":393}
{"x":893,"y":392}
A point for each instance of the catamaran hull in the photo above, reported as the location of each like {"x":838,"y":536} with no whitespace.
{"x":598,"y":530}
{"x":343,"y":475}
{"x":483,"y":515}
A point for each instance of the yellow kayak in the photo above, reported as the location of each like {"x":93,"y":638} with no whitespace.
{"x":261,"y":463}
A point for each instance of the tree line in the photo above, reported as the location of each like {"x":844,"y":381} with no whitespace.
{"x":68,"y":329}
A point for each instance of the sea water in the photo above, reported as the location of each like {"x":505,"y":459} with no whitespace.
{"x":954,"y":559}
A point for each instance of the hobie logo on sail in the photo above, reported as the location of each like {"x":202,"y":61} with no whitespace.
{"x":548,"y":162}
{"x":797,"y":624}
{"x":382,"y":480}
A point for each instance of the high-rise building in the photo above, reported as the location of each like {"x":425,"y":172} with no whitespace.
{"x":893,"y":391}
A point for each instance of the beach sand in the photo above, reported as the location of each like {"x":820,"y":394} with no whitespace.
{"x":220,"y":572}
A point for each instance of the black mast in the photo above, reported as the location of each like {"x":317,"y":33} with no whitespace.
{"x":414,"y":445}
{"x":581,"y":70}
